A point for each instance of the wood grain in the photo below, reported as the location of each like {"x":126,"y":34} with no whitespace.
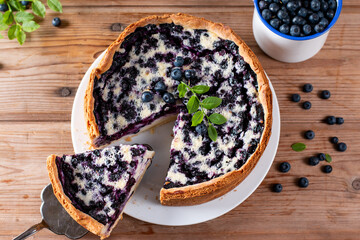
{"x":39,"y":81}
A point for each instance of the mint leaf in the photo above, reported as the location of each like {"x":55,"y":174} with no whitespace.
{"x":54,"y":5}
{"x":30,"y":26}
{"x":193,"y":104}
{"x":217,"y":118}
{"x":182,"y":89}
{"x":20,"y":35}
{"x":11,"y":32}
{"x":8,"y":17}
{"x":200,"y":89}
{"x":212,"y":132}
{"x":298,"y":147}
{"x":328,"y":158}
{"x":211,"y":102}
{"x":197,"y":118}
{"x":3,"y":26}
{"x":38,"y":8}
{"x":15,"y":5}
{"x":23,"y":16}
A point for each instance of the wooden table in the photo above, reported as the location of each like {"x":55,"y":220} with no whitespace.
{"x":38,"y":82}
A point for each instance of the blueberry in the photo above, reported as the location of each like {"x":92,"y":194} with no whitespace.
{"x":189,"y":74}
{"x":286,"y":20}
{"x":292,"y":6}
{"x":285,"y":1}
{"x":266,"y":14}
{"x":324,"y":22}
{"x":282,"y":14}
{"x":330,"y":14}
{"x":4,"y":7}
{"x":147,"y":96}
{"x":275,"y":23}
{"x":332,"y":4}
{"x":295,"y":97}
{"x":274,"y":7}
{"x":284,"y":167}
{"x":307,"y":88}
{"x":307,"y":29}
{"x":339,"y":120}
{"x":277,"y":187}
{"x":176,"y":74}
{"x":321,"y":156}
{"x":303,"y":182}
{"x":327,"y":169}
{"x":331,"y":120}
{"x":324,"y":6}
{"x":179,"y":61}
{"x":320,"y":14}
{"x":341,"y":147}
{"x":295,"y":30}
{"x":334,"y":140}
{"x":298,"y":20}
{"x":201,"y":129}
{"x":302,"y":12}
{"x":56,"y":22}
{"x":325,"y":94}
{"x":315,"y":5}
{"x":160,"y":87}
{"x":307,"y":105}
{"x":314,"y":18}
{"x":319,"y":28}
{"x":313,"y":161}
{"x":284,"y":29}
{"x":263,"y":5}
{"x":168,"y":98}
{"x":309,"y":134}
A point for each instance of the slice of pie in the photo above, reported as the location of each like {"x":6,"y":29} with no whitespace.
{"x":95,"y":186}
{"x":142,"y":58}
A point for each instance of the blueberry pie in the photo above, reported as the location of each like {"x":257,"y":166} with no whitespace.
{"x":135,"y":88}
{"x":95,"y":186}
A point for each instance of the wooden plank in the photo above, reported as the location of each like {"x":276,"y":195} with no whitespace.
{"x":327,"y":209}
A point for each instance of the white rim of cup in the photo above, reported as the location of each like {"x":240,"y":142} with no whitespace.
{"x":277,"y":32}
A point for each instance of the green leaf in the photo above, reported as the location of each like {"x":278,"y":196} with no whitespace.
{"x":197,"y":118}
{"x":38,"y":8}
{"x":328,"y":158}
{"x":23,"y":16}
{"x":217,"y":118}
{"x":3,"y":26}
{"x":193,"y":104}
{"x":200,"y":89}
{"x":54,"y":5}
{"x":20,"y":36}
{"x":211,"y":102}
{"x":8,"y":17}
{"x":298,"y":147}
{"x":11,"y":32}
{"x":212,"y":132}
{"x":30,"y":26}
{"x":15,"y":5}
{"x":182,"y":89}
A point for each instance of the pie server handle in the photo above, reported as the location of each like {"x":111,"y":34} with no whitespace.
{"x":32,"y":230}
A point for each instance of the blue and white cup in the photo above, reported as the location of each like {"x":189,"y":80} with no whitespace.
{"x":287,"y":48}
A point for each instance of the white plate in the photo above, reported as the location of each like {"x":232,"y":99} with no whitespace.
{"x":145,"y":204}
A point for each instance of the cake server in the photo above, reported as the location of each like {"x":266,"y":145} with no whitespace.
{"x":55,"y":218}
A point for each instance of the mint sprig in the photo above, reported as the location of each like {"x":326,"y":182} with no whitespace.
{"x":195,"y":103}
{"x":298,"y":147}
{"x":20,"y":22}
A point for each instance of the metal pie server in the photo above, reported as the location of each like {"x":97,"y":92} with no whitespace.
{"x":55,"y":218}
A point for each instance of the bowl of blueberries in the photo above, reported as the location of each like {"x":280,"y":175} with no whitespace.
{"x":293,"y":30}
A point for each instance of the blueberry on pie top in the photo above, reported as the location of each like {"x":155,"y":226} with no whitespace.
{"x":95,"y":186}
{"x":135,"y":88}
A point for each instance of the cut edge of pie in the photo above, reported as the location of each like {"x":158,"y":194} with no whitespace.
{"x":206,"y":191}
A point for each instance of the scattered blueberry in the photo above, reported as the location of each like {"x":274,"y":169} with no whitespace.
{"x":339,"y":120}
{"x":309,"y":134}
{"x":284,"y":167}
{"x":295,"y":97}
{"x":325,"y":94}
{"x":303,"y":182}
{"x":334,"y":140}
{"x":307,"y":105}
{"x":266,"y":14}
{"x":56,"y":22}
{"x":3,"y":7}
{"x":321,"y":156}
{"x":295,"y":30}
{"x":168,"y":98}
{"x":274,"y":7}
{"x":342,"y":147}
{"x":160,"y":87}
{"x":25,"y":3}
{"x":277,"y":187}
{"x":275,"y":23}
{"x":327,"y":169}
{"x":313,"y":161}
{"x":189,"y":74}
{"x":284,"y":29}
{"x":176,"y":74}
{"x":307,"y":88}
{"x":315,"y":5}
{"x":147,"y":96}
{"x":331,"y":120}
{"x":201,"y":129}
{"x":179,"y":61}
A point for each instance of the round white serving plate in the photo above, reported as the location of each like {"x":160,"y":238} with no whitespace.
{"x":145,"y":205}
